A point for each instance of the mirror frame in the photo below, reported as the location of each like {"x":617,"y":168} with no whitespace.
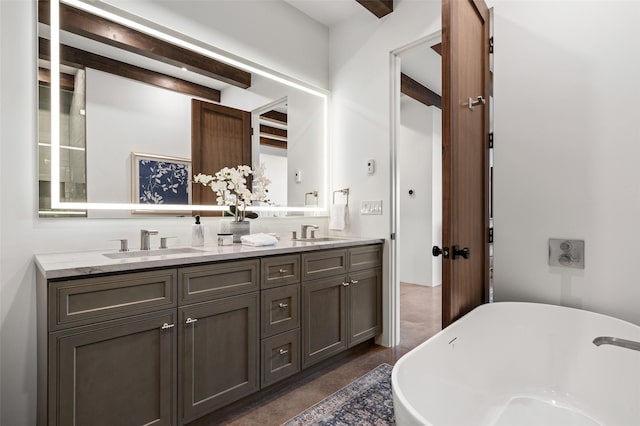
{"x":165,"y":34}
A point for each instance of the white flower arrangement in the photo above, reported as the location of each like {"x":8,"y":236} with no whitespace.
{"x":230,"y":185}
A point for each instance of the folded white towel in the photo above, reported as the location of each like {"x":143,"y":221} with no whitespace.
{"x":339,"y":217}
{"x":260,"y":239}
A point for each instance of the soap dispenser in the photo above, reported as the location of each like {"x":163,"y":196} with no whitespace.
{"x":197,"y":233}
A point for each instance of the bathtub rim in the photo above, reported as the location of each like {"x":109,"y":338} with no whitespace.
{"x":395,"y":388}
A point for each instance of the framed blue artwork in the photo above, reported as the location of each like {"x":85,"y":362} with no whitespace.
{"x":158,"y":179}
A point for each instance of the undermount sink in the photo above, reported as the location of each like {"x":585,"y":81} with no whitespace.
{"x":318,"y":239}
{"x":147,"y":253}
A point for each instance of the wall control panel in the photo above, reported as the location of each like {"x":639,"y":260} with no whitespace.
{"x":566,"y":253}
{"x":371,"y":207}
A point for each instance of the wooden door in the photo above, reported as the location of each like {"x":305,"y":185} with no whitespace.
{"x":220,"y":137}
{"x":119,"y":373}
{"x":465,"y":153}
{"x":219,"y":354}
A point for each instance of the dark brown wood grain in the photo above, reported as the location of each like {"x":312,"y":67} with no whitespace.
{"x":379,"y":8}
{"x":81,"y":59}
{"x":67,"y":81}
{"x":465,"y":64}
{"x":275,"y":116}
{"x":273,"y":131}
{"x":220,"y":137}
{"x":420,"y":93}
{"x":114,"y":34}
{"x":273,"y":142}
{"x":437,"y":48}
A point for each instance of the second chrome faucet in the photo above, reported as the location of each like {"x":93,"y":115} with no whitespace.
{"x":144,"y":238}
{"x":303,"y":230}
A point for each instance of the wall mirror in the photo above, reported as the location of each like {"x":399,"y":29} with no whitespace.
{"x":123,"y":100}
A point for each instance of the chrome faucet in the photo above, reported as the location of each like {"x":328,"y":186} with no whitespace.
{"x":144,"y":238}
{"x":303,"y":230}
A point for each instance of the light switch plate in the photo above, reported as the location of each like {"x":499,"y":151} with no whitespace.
{"x":371,"y":207}
{"x":566,"y":253}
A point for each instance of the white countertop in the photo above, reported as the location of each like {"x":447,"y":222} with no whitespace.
{"x":74,"y":264}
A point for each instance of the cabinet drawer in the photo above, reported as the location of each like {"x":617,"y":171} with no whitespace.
{"x":280,"y":309}
{"x":280,"y":270}
{"x":280,"y":357}
{"x":208,"y":282}
{"x":324,"y":264}
{"x":88,"y":300}
{"x":365,"y":257}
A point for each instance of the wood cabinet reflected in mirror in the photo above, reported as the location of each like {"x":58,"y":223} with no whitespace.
{"x":137,"y":97}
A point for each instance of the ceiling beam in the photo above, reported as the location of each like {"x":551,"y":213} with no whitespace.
{"x":420,"y":93}
{"x":77,"y":58}
{"x":105,"y":31}
{"x":273,"y":142}
{"x":67,"y":81}
{"x":275,"y":117}
{"x":379,"y":8}
{"x":437,"y":48}
{"x":268,"y":130}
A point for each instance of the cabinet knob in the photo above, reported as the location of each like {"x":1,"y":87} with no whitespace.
{"x":354,"y":281}
{"x":283,"y":351}
{"x":167,"y":326}
{"x":283,"y":271}
{"x":283,"y":305}
{"x":191,"y":320}
{"x":345,"y":284}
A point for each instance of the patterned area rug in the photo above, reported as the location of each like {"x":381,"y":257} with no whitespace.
{"x":365,"y":401}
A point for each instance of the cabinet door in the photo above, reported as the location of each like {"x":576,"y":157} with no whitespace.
{"x":120,"y":373}
{"x":219,"y":354}
{"x":365,"y":305}
{"x":324,"y":322}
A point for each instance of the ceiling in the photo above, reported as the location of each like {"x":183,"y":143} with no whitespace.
{"x":328,"y":12}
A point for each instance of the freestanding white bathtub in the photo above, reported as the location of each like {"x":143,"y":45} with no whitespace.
{"x":522,"y":364}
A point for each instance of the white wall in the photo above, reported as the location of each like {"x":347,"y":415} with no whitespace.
{"x":360,"y":118}
{"x":567,"y":147}
{"x":436,"y":196}
{"x":23,"y":234}
{"x":415,"y":146}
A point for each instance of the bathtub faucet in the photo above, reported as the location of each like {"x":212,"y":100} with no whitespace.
{"x":616,"y":341}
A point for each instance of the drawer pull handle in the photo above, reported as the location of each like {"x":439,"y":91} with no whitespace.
{"x":167,"y":326}
{"x":345,"y":284}
{"x":354,"y":281}
{"x":283,"y":305}
{"x":191,"y":320}
{"x":283,"y":351}
{"x":283,"y":271}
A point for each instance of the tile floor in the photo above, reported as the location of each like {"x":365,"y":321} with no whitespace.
{"x":420,"y":318}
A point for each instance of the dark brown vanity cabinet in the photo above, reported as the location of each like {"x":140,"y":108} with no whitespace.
{"x":170,"y":345}
{"x":218,"y":336}
{"x":342,"y":306}
{"x":107,"y":350}
{"x":280,"y":325}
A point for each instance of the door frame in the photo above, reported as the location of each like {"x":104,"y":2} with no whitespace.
{"x":394,"y":287}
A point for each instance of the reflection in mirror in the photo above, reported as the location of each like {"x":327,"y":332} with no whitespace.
{"x":127,"y":100}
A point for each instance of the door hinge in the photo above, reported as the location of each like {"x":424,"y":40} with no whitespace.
{"x":491,"y":140}
{"x":490,"y":44}
{"x":252,"y":131}
{"x":393,"y":235}
{"x":490,"y":235}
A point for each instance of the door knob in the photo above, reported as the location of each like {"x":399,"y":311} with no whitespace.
{"x":437,"y":251}
{"x":460,"y":252}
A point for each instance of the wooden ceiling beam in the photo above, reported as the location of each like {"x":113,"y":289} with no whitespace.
{"x":80,"y":59}
{"x":105,"y":31}
{"x":420,"y":93}
{"x":379,"y":8}
{"x":273,"y":142}
{"x":437,"y":48}
{"x":268,"y":130}
{"x":275,"y":116}
{"x":67,"y":81}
